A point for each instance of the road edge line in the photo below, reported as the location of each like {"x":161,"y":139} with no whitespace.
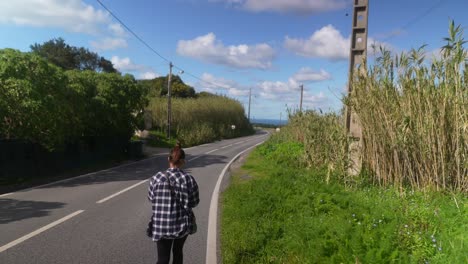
{"x":211,"y":245}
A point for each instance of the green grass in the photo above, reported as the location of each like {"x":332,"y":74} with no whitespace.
{"x":280,"y":213}
{"x":159,"y":139}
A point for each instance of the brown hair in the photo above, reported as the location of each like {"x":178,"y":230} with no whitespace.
{"x":177,"y":154}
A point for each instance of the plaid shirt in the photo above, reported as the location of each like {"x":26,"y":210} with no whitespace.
{"x":172,"y":213}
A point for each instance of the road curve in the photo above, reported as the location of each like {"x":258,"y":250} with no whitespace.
{"x":101,"y":217}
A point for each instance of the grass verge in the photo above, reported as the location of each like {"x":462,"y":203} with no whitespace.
{"x":159,"y":139}
{"x":274,"y":213}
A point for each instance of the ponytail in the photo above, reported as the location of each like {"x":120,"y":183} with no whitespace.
{"x":177,"y":154}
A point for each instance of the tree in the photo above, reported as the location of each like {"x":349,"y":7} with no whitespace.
{"x":108,"y":104}
{"x":44,"y":104}
{"x":158,"y":87}
{"x":205,"y":94}
{"x":34,"y":100}
{"x":68,"y":57}
{"x":57,"y":52}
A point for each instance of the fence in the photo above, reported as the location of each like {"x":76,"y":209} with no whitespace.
{"x":22,"y":159}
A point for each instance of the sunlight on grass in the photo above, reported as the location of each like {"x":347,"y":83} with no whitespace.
{"x":284,"y":214}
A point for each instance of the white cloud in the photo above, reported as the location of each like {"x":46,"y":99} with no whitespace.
{"x":270,"y":87}
{"x":238,"y":92}
{"x":309,"y":75}
{"x":289,"y":6}
{"x":293,"y":98}
{"x":328,"y":43}
{"x":125,"y":64}
{"x":208,"y":49}
{"x":117,"y":29}
{"x":289,"y":91}
{"x":71,"y":15}
{"x":217,"y":85}
{"x":304,"y":75}
{"x":109,"y":44}
{"x":214,"y":83}
{"x":312,"y":99}
{"x":268,"y":96}
{"x":148,"y":75}
{"x":325,"y":43}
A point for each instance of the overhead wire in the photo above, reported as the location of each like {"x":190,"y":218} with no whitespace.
{"x":405,"y":26}
{"x":131,"y":31}
{"x":154,"y":50}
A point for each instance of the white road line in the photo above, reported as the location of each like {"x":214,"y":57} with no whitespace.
{"x":211,"y":151}
{"x":112,"y":168}
{"x":195,"y":158}
{"x":122,"y":191}
{"x":211,"y":257}
{"x":88,"y":174}
{"x":227,"y":146}
{"x":38,"y":231}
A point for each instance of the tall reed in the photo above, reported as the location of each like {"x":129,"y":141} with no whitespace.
{"x":203,"y":119}
{"x":414,"y":116}
{"x":323,"y":136}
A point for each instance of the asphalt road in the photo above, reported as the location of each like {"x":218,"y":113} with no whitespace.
{"x":101,"y":217}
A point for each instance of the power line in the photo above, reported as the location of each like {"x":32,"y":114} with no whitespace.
{"x":417,"y":18}
{"x":405,"y":26}
{"x":153,"y":50}
{"x":131,"y":31}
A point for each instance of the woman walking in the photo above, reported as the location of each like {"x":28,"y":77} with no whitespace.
{"x":173,"y":193}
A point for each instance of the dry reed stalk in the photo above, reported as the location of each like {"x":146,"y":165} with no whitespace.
{"x":415,"y":124}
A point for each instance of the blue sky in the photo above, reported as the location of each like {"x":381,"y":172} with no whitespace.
{"x":232,"y":46}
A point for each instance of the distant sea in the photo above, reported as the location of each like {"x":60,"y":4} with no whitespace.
{"x":275,"y":122}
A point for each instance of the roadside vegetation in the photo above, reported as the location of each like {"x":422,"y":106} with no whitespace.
{"x":65,"y":109}
{"x":415,"y":117}
{"x":277,"y":212}
{"x":200,"y":119}
{"x":44,"y":104}
{"x":293,"y":201}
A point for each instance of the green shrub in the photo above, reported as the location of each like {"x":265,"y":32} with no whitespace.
{"x":45,"y":105}
{"x":34,"y":101}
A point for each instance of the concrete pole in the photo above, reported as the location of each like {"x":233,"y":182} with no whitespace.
{"x":169,"y":110}
{"x":358,"y":52}
{"x":250,"y":96}
{"x":302,"y":94}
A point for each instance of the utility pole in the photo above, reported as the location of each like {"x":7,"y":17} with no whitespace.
{"x":358,"y":51}
{"x":169,"y":110}
{"x":302,"y":93}
{"x":280,"y":119}
{"x":250,"y":96}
